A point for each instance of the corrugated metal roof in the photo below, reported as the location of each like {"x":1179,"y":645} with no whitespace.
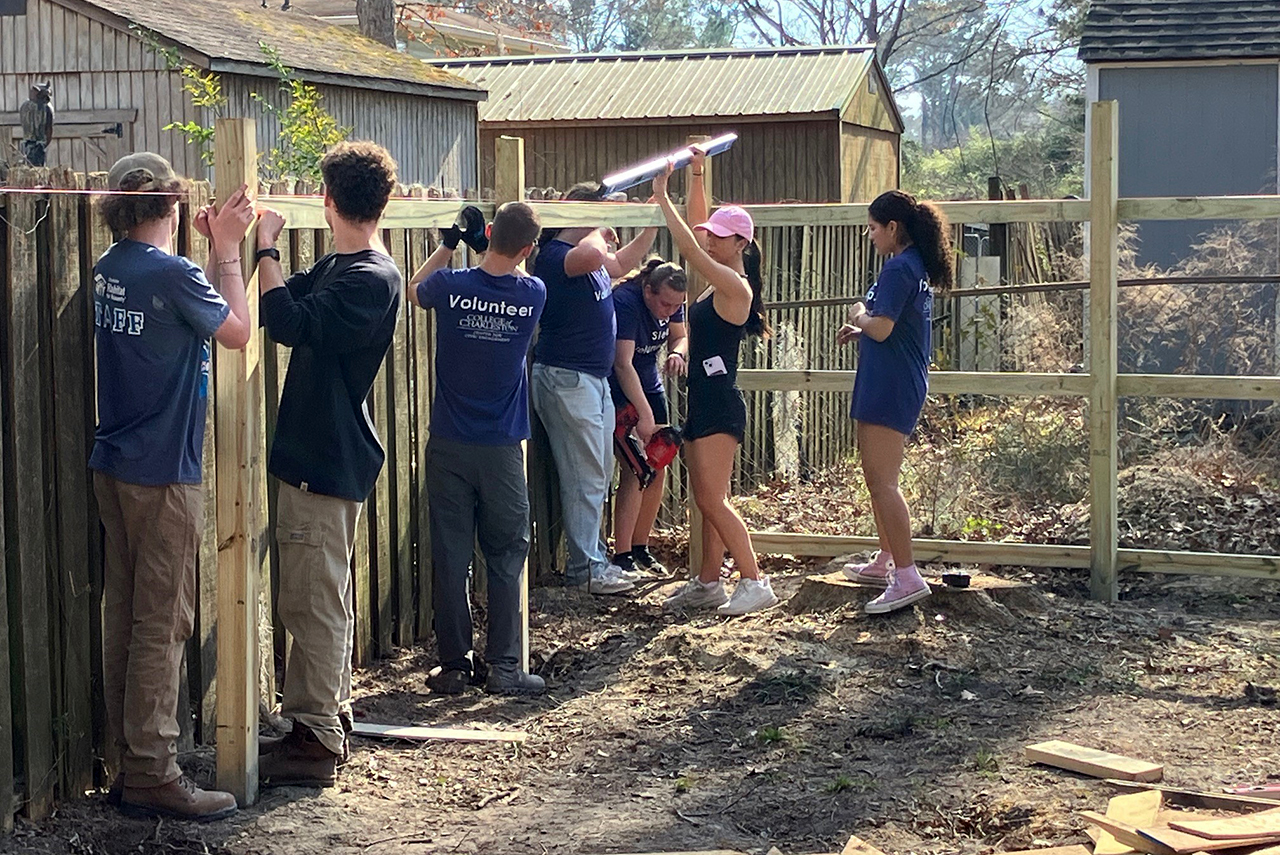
{"x":1120,"y":30}
{"x":647,"y":85}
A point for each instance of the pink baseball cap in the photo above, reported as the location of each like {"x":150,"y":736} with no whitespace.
{"x":729,"y":220}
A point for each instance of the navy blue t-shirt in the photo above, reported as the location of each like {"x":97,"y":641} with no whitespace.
{"x":154,"y":314}
{"x":893,"y":375}
{"x":636,"y":323}
{"x":578,"y":326}
{"x":483,"y":327}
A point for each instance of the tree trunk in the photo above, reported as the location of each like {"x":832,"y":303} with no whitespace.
{"x":378,"y":20}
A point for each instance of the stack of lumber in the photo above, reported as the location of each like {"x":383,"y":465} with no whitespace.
{"x":1140,"y":823}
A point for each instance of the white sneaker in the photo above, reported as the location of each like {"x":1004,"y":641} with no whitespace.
{"x":607,"y":581}
{"x":625,"y":575}
{"x":696,"y":595}
{"x":751,"y":595}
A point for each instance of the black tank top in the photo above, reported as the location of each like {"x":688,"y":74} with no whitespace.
{"x":710,"y":336}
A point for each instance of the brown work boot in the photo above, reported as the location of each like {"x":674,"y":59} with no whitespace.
{"x":268,"y":744}
{"x":300,"y":760}
{"x":178,"y":799}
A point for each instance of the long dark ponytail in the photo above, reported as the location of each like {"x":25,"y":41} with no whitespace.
{"x":926,"y":226}
{"x":757,"y":323}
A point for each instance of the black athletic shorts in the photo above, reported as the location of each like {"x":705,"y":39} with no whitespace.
{"x":715,"y":408}
{"x":657,"y":403}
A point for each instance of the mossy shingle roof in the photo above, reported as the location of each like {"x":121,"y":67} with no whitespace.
{"x":228,"y":32}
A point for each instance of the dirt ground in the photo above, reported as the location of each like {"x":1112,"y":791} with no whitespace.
{"x":794,"y":728}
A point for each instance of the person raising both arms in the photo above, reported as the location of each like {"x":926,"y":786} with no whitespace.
{"x":650,"y":309}
{"x":731,"y":308}
{"x":892,"y":330}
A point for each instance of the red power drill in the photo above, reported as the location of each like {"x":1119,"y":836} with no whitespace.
{"x":647,"y":461}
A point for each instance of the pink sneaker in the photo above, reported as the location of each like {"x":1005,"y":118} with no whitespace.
{"x":876,"y":573}
{"x":905,"y":587}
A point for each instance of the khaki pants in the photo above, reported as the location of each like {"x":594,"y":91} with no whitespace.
{"x":316,"y":535}
{"x":149,"y":591}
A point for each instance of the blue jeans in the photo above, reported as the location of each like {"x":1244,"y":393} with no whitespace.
{"x":577,"y":411}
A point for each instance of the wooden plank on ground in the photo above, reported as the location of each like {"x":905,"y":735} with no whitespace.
{"x":1263,"y":824}
{"x":25,"y":503}
{"x":1091,"y":761}
{"x":1183,"y":843}
{"x":1138,"y":809}
{"x":451,"y":734}
{"x":1127,"y":834}
{"x":71,"y":314}
{"x":1073,"y":849}
{"x":1196,"y":798}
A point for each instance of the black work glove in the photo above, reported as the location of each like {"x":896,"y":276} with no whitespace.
{"x":472,"y":228}
{"x":450,"y":236}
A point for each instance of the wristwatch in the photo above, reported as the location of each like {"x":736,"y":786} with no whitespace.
{"x":269,"y":252}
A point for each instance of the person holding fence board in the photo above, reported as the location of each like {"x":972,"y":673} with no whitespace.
{"x":731,"y":308}
{"x":339,"y":318}
{"x":154,"y":313}
{"x":650,"y":311}
{"x":485,"y":319}
{"x":893,"y":333}
{"x":572,"y":361}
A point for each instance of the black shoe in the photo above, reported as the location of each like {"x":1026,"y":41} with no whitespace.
{"x":514,"y":682}
{"x":448,"y":681}
{"x":644,"y":560}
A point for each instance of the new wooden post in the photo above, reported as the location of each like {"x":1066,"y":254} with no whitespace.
{"x":239,"y":392}
{"x":1103,"y":192}
{"x":696,"y":286}
{"x":508,"y":186}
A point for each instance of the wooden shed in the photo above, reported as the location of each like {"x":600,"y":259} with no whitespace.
{"x":816,"y":124}
{"x":114,"y":94}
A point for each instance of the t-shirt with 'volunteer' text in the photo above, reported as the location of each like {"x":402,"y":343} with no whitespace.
{"x":484,"y":324}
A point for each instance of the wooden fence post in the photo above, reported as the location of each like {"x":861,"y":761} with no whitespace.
{"x":27,"y":573}
{"x":1103,"y":439}
{"x":239,"y":392}
{"x":508,"y":186}
{"x":696,"y":286}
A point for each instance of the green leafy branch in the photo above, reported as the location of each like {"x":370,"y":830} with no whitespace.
{"x":307,"y":129}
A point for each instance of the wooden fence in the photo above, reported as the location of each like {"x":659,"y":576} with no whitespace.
{"x":51,"y":718}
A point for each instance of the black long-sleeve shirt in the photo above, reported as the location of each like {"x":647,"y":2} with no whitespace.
{"x":339,"y":317}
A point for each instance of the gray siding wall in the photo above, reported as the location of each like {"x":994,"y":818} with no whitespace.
{"x":1192,"y":131}
{"x":433,"y":140}
{"x":95,"y":67}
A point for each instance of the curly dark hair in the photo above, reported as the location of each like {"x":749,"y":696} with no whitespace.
{"x":359,"y":177}
{"x":926,"y":226}
{"x":124,"y":212}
